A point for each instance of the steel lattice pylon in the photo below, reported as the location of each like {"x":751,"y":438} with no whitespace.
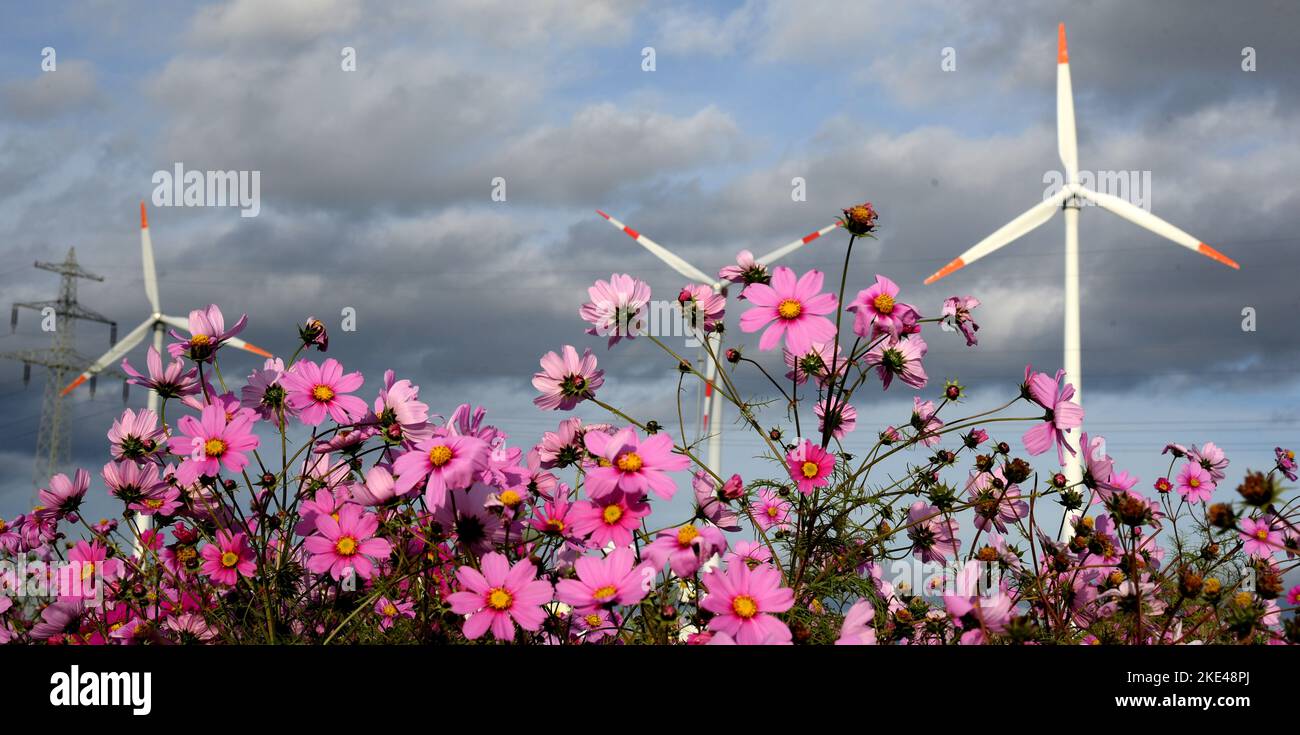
{"x":61,"y":361}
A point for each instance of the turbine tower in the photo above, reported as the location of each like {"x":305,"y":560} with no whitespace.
{"x":711,"y":418}
{"x":54,"y":437}
{"x":1069,"y":199}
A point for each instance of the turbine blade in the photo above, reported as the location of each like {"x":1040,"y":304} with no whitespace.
{"x":785,"y":250}
{"x":673,"y":261}
{"x":1016,"y":228}
{"x":146,"y":253}
{"x":117,"y":352}
{"x":1066,"y":140}
{"x":1143,"y":218}
{"x":233,"y":341}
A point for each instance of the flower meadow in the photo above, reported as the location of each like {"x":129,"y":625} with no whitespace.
{"x":391,"y":524}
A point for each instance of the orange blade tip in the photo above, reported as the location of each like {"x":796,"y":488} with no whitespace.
{"x":947,"y":270}
{"x":257,"y":350}
{"x":144,"y":218}
{"x":73,"y":385}
{"x":602,"y":214}
{"x":1062,"y":51}
{"x":1210,"y":252}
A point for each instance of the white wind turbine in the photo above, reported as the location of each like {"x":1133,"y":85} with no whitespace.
{"x":154,"y":323}
{"x":1069,"y":198}
{"x":711,"y":419}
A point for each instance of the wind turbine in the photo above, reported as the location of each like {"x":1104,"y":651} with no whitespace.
{"x":711,"y":418}
{"x":1068,"y":199}
{"x":155,"y":323}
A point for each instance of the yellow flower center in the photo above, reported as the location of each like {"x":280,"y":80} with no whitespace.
{"x":810,"y":469}
{"x":629,"y":462}
{"x":499,"y":599}
{"x":554,"y":525}
{"x":199,"y":340}
{"x":229,"y":559}
{"x":322,"y":393}
{"x":440,"y":455}
{"x":390,"y":609}
{"x":612,"y":514}
{"x":1262,"y":534}
{"x":772,"y":511}
{"x":687,"y":534}
{"x":346,"y":546}
{"x":510,"y":498}
{"x":789,"y":309}
{"x":593,"y":620}
{"x":154,"y":503}
{"x":1243,"y":599}
{"x":1194,"y":482}
{"x":604,"y":593}
{"x":744,"y":606}
{"x":604,"y":462}
{"x":884,"y":303}
{"x":87,"y":569}
{"x":214,"y":448}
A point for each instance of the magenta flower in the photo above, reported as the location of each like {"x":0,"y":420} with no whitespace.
{"x":1211,"y":458}
{"x":794,"y":309}
{"x":685,"y":548}
{"x":264,"y":394}
{"x":63,"y":496}
{"x":565,"y":381}
{"x":313,"y":391}
{"x":956,"y":314}
{"x":615,"y":579}
{"x":817,"y":362}
{"x":633,"y":466}
{"x":744,"y":602}
{"x":771,"y":511}
{"x":172,"y":382}
{"x":1285,"y":460}
{"x":810,"y":466}
{"x":1194,"y":483}
{"x":856,"y":630}
{"x":227,"y":559}
{"x":747,"y":270}
{"x":612,"y":519}
{"x":1259,"y":538}
{"x":617,"y":308}
{"x":710,"y":502}
{"x":449,"y":462}
{"x":844,"y":417}
{"x":933,"y":535}
{"x":210,"y":442}
{"x":901,"y":359}
{"x":136,"y":436}
{"x":877,"y":311}
{"x":995,"y":501}
{"x":131,"y":482}
{"x":500,"y":595}
{"x":1062,"y":413}
{"x":702,"y":307}
{"x":92,"y":568}
{"x":347,"y":544}
{"x":207,"y":334}
{"x":389,"y":611}
{"x":400,"y":413}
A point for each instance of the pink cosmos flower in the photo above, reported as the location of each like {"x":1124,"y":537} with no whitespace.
{"x":933,"y":535}
{"x":744,"y":602}
{"x":1293,"y":596}
{"x":810,"y":466}
{"x":346,"y":544}
{"x":817,"y":362}
{"x":749,"y":553}
{"x":390,"y":610}
{"x":613,"y":580}
{"x":379,"y":487}
{"x":710,"y":503}
{"x":227,"y":559}
{"x":447,"y":461}
{"x":91,"y":568}
{"x":771,"y":511}
{"x":956,"y":314}
{"x":326,"y":501}
{"x":901,"y":359}
{"x":1062,"y":413}
{"x":207,"y":334}
{"x":316,"y":390}
{"x":856,"y":629}
{"x":565,"y":381}
{"x":562,"y":447}
{"x":136,"y":435}
{"x":988,"y":611}
{"x":794,"y":309}
{"x":612,"y":519}
{"x":702,"y":307}
{"x":172,"y":382}
{"x":1211,"y":458}
{"x":63,"y":496}
{"x":617,"y":308}
{"x":995,"y":501}
{"x":1194,"y":483}
{"x":210,"y":442}
{"x":1259,"y":538}
{"x":685,"y":548}
{"x":400,"y":414}
{"x":264,"y":394}
{"x":877,"y":311}
{"x":844,"y":416}
{"x":499,"y":595}
{"x":131,"y":482}
{"x":1285,"y":462}
{"x":747,"y":270}
{"x":633,"y":465}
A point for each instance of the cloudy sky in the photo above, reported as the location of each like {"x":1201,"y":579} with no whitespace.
{"x":376,"y":188}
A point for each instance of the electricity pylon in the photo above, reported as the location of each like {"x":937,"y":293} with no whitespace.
{"x":61,"y":362}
